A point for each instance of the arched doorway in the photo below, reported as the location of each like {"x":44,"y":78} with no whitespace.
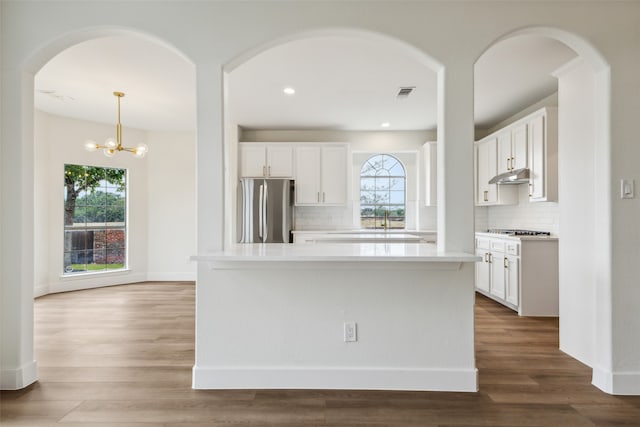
{"x":316,"y":46}
{"x":21,"y":337}
{"x":583,"y":143}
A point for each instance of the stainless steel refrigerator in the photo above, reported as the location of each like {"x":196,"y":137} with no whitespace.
{"x":266,"y":215}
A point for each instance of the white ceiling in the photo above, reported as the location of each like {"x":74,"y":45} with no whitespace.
{"x":341,"y":83}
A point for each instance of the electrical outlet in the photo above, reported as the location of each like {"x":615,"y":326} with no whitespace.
{"x":350,"y":332}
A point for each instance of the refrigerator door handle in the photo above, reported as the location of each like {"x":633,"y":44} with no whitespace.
{"x":264,"y":215}
{"x":261,"y":211}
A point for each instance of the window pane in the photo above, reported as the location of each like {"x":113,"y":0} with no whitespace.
{"x":367,"y":197}
{"x":367,"y":183}
{"x":115,"y":239}
{"x":79,"y":215}
{"x":77,"y":240}
{"x":396,"y":197}
{"x":397,"y":170}
{"x":115,"y":214}
{"x":396,"y":184}
{"x":115,"y":258}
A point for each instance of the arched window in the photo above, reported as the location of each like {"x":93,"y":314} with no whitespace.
{"x":382,"y":192}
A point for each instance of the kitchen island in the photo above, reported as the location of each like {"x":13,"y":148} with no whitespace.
{"x":395,"y":316}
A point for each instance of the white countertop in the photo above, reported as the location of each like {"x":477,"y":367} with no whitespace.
{"x":516,"y":238}
{"x":337,"y":252}
{"x":367,"y":231}
{"x":364,"y":237}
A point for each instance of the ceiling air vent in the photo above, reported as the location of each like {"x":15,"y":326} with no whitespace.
{"x":405,"y":91}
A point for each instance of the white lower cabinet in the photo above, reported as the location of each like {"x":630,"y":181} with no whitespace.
{"x":521,"y":274}
{"x":512,"y":278}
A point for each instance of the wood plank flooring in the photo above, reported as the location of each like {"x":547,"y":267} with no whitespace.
{"x":122,"y":356}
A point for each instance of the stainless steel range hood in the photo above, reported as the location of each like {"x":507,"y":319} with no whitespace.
{"x":517,"y":176}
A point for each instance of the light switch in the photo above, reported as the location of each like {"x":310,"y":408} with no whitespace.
{"x":627,"y":189}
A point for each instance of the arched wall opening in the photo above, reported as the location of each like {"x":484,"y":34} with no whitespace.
{"x":583,"y":105}
{"x":358,"y":144}
{"x":31,"y":132}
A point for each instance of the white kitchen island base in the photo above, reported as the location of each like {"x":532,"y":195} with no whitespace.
{"x":270,"y":317}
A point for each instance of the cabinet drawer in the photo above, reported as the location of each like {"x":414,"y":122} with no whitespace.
{"x":483,"y":244}
{"x":497,"y":246}
{"x":513,"y":248}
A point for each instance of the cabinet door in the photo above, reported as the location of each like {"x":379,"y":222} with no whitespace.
{"x":333,"y":187}
{"x":487,"y":168}
{"x":497,"y":274}
{"x":536,"y":158}
{"x":512,"y":278}
{"x":483,"y":273}
{"x":307,"y":164}
{"x":519,"y":147}
{"x":504,"y":153}
{"x":252,"y":160}
{"x":280,"y":161}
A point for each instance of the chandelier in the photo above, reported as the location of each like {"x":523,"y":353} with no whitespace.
{"x":112,"y":146}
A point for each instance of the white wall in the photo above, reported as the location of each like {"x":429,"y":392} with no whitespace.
{"x":172,"y":204}
{"x":405,"y":145}
{"x":576,"y":191}
{"x":161,"y":202}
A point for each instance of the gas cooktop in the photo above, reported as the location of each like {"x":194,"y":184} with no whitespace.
{"x":517,"y":232}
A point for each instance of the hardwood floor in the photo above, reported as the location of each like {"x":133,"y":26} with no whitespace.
{"x":122,"y":356}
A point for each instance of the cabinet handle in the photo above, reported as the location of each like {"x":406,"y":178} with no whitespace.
{"x":486,"y":257}
{"x":318,"y":197}
{"x":264,"y":171}
{"x":486,"y":196}
{"x":323,"y":197}
{"x":506,"y":262}
{"x":490,"y":258}
{"x":530,"y":190}
{"x":509,"y":165}
{"x":269,"y":171}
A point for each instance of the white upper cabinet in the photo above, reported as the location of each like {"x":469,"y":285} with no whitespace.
{"x":512,"y":148}
{"x":543,"y":156}
{"x":486,"y":168}
{"x":266,"y":160}
{"x":333,"y":175}
{"x":504,"y":152}
{"x":321,"y":174}
{"x":519,"y":147}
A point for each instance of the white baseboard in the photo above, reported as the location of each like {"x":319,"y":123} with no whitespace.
{"x":618,"y":383}
{"x":336,"y":378}
{"x":171,"y":277}
{"x":40,"y":290}
{"x":16,"y":379}
{"x":77,"y":283}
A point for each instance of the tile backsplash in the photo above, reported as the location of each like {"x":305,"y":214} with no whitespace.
{"x":542,"y":216}
{"x":324,"y":218}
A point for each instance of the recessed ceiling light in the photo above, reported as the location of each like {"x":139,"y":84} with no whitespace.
{"x":289,"y":90}
{"x":385,"y":124}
